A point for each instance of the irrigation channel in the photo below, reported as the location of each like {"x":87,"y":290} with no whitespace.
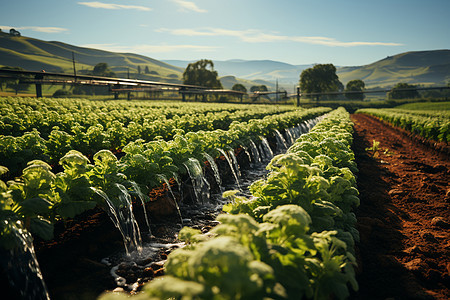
{"x":148,"y":241}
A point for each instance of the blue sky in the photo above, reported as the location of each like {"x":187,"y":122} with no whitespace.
{"x":345,"y":33}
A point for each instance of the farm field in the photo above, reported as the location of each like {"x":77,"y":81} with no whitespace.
{"x":404,"y":214}
{"x":116,"y":202}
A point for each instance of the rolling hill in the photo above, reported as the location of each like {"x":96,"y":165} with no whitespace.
{"x":419,"y":67}
{"x":35,"y":55}
{"x":266,"y":70}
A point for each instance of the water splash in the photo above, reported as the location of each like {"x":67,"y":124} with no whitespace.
{"x":236,"y":179}
{"x":126,"y":213}
{"x":247,"y":153}
{"x":141,"y":197}
{"x":281,"y":142}
{"x":177,"y":180}
{"x":166,"y":181}
{"x":296,"y":132}
{"x":262,"y":153}
{"x":22,"y":268}
{"x":215,"y":169}
{"x":290,"y":136}
{"x":199,"y":182}
{"x":266,"y":148}
{"x":123,"y":219}
{"x":304,"y":127}
{"x":255,"y":152}
{"x":235,"y":163}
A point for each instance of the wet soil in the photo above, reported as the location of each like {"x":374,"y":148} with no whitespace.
{"x":73,"y":265}
{"x":403,"y":221}
{"x":404,"y":216}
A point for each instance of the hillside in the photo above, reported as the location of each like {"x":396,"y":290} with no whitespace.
{"x":35,"y":55}
{"x":420,"y":67}
{"x":229,"y":81}
{"x":423,"y":67}
{"x":267,"y":70}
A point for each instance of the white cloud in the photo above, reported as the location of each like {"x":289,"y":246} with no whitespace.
{"x":114,"y":6}
{"x":257,"y":36}
{"x":189,"y":5}
{"x":36,"y":28}
{"x":151,"y":48}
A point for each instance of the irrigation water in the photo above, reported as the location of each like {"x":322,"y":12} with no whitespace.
{"x":137,"y":262}
{"x":232,"y":166}
{"x":166,"y":181}
{"x":21,"y":266}
{"x":143,"y":260}
{"x":141,"y":197}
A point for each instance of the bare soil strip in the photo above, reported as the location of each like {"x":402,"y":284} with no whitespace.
{"x":404,"y":215}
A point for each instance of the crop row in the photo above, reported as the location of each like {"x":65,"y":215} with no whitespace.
{"x":293,"y":239}
{"x":432,"y":125}
{"x":19,"y":115}
{"x":39,"y":197}
{"x":15,"y":152}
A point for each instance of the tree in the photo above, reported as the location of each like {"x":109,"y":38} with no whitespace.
{"x":239,"y":87}
{"x":202,"y":73}
{"x":139,"y":69}
{"x":403,"y":91}
{"x":146,"y":70}
{"x":321,"y":78}
{"x":355,"y":86}
{"x":14,"y":32}
{"x":258,"y":88}
{"x":102,"y":69}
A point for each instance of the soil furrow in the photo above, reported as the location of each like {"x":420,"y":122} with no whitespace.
{"x":404,"y":215}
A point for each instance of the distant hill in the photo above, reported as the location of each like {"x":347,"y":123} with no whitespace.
{"x":266,"y":70}
{"x":420,"y":67}
{"x":35,"y":55}
{"x":229,"y":81}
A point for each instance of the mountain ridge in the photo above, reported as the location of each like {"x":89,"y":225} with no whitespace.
{"x":428,"y":67}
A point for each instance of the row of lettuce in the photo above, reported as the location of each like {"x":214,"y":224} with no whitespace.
{"x":46,"y":129}
{"x":430,"y":124}
{"x":293,"y":239}
{"x":39,"y":197}
{"x":19,"y":115}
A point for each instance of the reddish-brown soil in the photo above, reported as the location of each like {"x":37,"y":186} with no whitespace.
{"x":404,"y":216}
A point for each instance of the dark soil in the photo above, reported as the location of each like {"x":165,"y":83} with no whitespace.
{"x":404,"y":214}
{"x":403,"y":221}
{"x":71,"y":262}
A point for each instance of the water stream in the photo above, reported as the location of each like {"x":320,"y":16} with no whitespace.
{"x":22,"y":268}
{"x":140,"y":258}
{"x":199,"y":183}
{"x":141,"y":198}
{"x":215,"y":169}
{"x":166,"y":181}
{"x":121,"y":214}
{"x":235,"y":174}
{"x":281,"y":142}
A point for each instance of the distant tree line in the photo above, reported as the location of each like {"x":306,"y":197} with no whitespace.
{"x":322,"y":78}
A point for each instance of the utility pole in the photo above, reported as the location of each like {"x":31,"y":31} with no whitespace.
{"x":276,"y":91}
{"x":129,"y":93}
{"x":74,"y":69}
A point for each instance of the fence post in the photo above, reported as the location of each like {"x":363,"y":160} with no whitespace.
{"x":38,"y":77}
